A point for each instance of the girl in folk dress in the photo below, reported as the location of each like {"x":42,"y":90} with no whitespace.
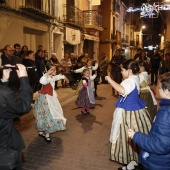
{"x":85,"y":98}
{"x":48,"y":112}
{"x":146,"y":93}
{"x":130,"y":113}
{"x":91,"y":69}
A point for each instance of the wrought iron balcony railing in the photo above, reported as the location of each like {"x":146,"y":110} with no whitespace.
{"x":72,"y":15}
{"x":39,"y":8}
{"x":92,"y":20}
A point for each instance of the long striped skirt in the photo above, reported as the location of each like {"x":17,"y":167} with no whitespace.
{"x":152,"y":109}
{"x":122,"y":149}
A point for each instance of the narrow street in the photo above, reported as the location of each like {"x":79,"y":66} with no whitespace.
{"x":83,"y":146}
{"x":85,"y":143}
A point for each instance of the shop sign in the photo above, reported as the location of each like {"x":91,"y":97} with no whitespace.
{"x":72,"y":36}
{"x":96,"y":2}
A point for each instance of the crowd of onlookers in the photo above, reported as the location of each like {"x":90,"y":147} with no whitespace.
{"x":159,"y":62}
{"x":35,"y":63}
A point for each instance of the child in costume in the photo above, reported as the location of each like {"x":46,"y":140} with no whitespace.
{"x":155,"y":153}
{"x":86,"y":98}
{"x":146,"y":93}
{"x":48,"y":112}
{"x":130,"y":112}
{"x":91,"y":68}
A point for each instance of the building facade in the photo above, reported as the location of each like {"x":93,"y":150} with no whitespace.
{"x":61,"y":26}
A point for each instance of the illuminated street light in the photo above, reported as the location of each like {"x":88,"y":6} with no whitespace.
{"x":166,"y":0}
{"x":143,"y":27}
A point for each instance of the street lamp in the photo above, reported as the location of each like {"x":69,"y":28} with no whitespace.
{"x":142,"y":28}
{"x":167,"y":1}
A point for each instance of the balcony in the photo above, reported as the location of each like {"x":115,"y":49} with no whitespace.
{"x":92,"y":20}
{"x":125,"y":39}
{"x":41,"y":9}
{"x":116,"y":8}
{"x":72,"y":15}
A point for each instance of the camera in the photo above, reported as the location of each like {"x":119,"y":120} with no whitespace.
{"x":16,"y":68}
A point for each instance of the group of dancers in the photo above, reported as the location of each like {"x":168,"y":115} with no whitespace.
{"x":135,"y":112}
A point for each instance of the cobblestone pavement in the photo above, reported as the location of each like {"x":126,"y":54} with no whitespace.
{"x":83,"y":146}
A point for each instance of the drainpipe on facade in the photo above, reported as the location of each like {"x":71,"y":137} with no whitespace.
{"x":51,"y":40}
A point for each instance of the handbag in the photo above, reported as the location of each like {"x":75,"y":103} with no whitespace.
{"x":8,"y":159}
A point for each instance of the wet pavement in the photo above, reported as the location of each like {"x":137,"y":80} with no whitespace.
{"x":85,"y":143}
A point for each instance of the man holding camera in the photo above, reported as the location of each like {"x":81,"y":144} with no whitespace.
{"x":13,"y":104}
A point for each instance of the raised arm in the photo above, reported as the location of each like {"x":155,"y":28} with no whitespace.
{"x":80,"y":70}
{"x":119,"y":88}
{"x":95,"y":67}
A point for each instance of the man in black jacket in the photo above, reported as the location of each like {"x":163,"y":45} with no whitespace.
{"x":155,"y":62}
{"x":13,"y":104}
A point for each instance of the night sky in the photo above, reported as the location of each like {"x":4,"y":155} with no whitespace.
{"x":153,"y":26}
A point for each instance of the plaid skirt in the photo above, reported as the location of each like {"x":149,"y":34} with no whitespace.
{"x":123,"y":150}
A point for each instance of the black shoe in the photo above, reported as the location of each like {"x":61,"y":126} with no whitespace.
{"x":87,"y":112}
{"x":47,"y":139}
{"x":42,"y":135}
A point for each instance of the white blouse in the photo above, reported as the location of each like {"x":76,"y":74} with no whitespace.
{"x":129,"y":84}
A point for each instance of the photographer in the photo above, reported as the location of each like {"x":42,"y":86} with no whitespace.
{"x":13,"y":104}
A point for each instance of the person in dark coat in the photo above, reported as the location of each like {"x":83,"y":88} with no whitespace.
{"x":115,"y":73}
{"x":13,"y":104}
{"x":155,"y":154}
{"x":155,"y":62}
{"x":138,"y":54}
{"x":29,"y":62}
{"x":40,"y":65}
